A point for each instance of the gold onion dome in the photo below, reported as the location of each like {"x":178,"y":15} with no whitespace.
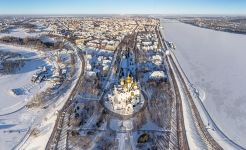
{"x":128,"y":79}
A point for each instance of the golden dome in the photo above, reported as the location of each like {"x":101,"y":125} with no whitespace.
{"x":128,"y":79}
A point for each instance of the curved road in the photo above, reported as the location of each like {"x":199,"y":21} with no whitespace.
{"x":55,"y":136}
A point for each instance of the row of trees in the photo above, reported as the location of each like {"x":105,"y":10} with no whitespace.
{"x":11,"y":66}
{"x":32,"y":42}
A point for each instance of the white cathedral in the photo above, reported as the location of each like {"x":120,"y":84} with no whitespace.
{"x":126,"y":97}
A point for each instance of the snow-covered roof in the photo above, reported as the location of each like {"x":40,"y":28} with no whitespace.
{"x":90,"y":74}
{"x":157,"y":75}
{"x":156,"y":57}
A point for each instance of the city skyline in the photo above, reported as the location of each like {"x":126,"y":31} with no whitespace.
{"x":123,"y":7}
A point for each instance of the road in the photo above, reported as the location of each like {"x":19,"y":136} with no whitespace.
{"x":56,"y":133}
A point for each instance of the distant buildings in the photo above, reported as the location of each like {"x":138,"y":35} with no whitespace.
{"x":103,"y":33}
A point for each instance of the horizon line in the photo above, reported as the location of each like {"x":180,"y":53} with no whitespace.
{"x":126,"y":14}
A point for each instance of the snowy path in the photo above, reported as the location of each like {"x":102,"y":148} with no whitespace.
{"x":132,"y":141}
{"x":121,"y":139}
{"x":91,"y":120}
{"x":62,"y":144}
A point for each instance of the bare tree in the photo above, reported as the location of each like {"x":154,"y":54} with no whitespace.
{"x":36,"y":101}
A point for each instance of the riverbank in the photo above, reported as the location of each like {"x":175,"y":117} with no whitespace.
{"x":214,"y":61}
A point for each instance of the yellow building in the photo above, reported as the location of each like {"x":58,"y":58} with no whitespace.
{"x":79,"y":41}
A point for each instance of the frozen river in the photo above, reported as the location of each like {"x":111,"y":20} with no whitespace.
{"x":215,"y":62}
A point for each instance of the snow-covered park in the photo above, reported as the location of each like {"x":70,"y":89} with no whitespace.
{"x":215,"y":63}
{"x":19,"y":80}
{"x":14,"y":119}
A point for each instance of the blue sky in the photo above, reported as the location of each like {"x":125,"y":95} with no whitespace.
{"x":123,"y":7}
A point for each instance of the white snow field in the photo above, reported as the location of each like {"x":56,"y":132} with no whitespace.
{"x":15,"y":119}
{"x":19,"y":80}
{"x":21,"y":33}
{"x":48,"y":117}
{"x":214,"y":62}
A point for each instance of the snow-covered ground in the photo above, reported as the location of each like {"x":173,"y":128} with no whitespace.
{"x":15,"y":119}
{"x":49,"y":116}
{"x":215,"y":62}
{"x":21,"y":33}
{"x":19,"y":80}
